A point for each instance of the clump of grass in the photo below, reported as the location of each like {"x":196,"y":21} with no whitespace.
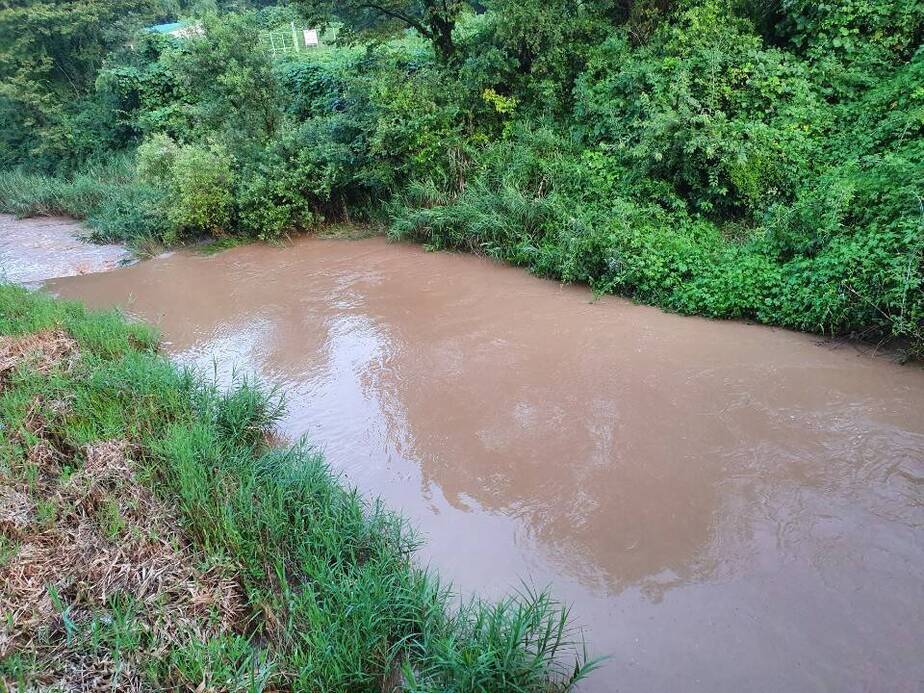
{"x":31,"y":195}
{"x":79,"y":195}
{"x":109,"y":197}
{"x":219,"y":245}
{"x":324,"y":591}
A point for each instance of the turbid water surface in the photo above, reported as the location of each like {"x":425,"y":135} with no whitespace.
{"x":728,"y":507}
{"x":32,"y":250}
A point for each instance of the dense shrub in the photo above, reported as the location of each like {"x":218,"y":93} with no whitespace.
{"x":197,"y":181}
{"x":201,"y":189}
{"x":318,"y":87}
{"x":705,"y":105}
{"x":270,"y":208}
{"x":134,"y":214}
{"x":851,"y":44}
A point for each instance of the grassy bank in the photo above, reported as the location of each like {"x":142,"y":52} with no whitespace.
{"x":149,"y":536}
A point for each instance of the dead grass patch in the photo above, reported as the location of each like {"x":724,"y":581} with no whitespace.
{"x":85,"y":540}
{"x":41,"y":351}
{"x":16,"y":512}
{"x":78,"y":544}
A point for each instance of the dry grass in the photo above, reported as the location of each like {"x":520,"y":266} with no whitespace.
{"x":108,"y":536}
{"x":40,"y":351}
{"x":81,"y":540}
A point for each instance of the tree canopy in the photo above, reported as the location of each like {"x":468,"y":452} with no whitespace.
{"x":433,"y":19}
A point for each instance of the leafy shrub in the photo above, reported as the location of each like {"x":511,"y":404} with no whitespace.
{"x":198,"y":182}
{"x":705,"y":105}
{"x":415,"y":123}
{"x":318,"y":86}
{"x":155,"y":159}
{"x":851,"y":43}
{"x":225,"y":82}
{"x":268,"y":209}
{"x":201,"y":189}
{"x":853,"y":248}
{"x":503,"y":205}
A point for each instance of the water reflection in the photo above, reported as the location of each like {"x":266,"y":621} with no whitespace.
{"x":723,"y":503}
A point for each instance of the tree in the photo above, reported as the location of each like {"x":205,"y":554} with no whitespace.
{"x":432,"y":19}
{"x":50,"y":55}
{"x":226,"y":80}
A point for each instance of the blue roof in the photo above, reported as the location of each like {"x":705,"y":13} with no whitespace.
{"x":167,"y":28}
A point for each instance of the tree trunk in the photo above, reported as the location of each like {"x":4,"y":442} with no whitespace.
{"x":441,"y":36}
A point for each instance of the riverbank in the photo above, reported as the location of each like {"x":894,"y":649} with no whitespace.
{"x":865,"y":290}
{"x":151,"y":536}
{"x":30,"y":230}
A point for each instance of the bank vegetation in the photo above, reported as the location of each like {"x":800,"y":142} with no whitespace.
{"x":751,"y":159}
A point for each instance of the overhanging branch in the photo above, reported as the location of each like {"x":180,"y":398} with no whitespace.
{"x":400,"y":16}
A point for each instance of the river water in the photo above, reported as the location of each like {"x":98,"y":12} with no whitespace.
{"x":32,"y":250}
{"x":727,"y":507}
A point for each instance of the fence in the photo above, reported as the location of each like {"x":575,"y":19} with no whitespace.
{"x":290,"y":40}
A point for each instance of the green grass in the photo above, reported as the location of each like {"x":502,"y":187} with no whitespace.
{"x":28,"y":194}
{"x":115,"y":205}
{"x":333,"y":598}
{"x":219,"y":245}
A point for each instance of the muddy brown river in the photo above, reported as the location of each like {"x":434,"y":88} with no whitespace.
{"x":728,"y":507}
{"x":32,"y":250}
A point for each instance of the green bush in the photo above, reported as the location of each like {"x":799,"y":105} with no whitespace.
{"x":705,"y":105}
{"x":852,"y":249}
{"x":318,"y":85}
{"x":201,"y":189}
{"x":851,"y":43}
{"x":503,"y":204}
{"x":136,"y":214}
{"x":197,"y":181}
{"x":269,"y":208}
